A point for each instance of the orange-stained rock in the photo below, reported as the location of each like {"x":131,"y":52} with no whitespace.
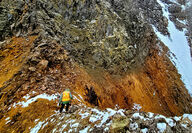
{"x":15,"y":54}
{"x":156,"y":87}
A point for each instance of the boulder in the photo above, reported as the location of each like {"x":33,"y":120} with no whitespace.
{"x":33,"y":69}
{"x":42,"y":64}
{"x":174,"y":8}
{"x":120,"y":124}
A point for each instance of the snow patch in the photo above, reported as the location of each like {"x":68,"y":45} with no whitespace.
{"x":43,"y":96}
{"x":45,"y":124}
{"x":36,"y":128}
{"x":136,"y":106}
{"x":80,"y":100}
{"x":137,"y":115}
{"x":177,"y":118}
{"x":150,"y":114}
{"x":8,"y":122}
{"x":7,"y":118}
{"x":94,"y":118}
{"x":168,"y":120}
{"x":106,"y":129}
{"x":160,"y":116}
{"x":54,"y":130}
{"x":85,"y":130}
{"x":27,"y":96}
{"x":161,"y":127}
{"x":101,"y":116}
{"x":63,"y":127}
{"x":80,"y":97}
{"x":84,"y":115}
{"x":36,"y":120}
{"x":75,"y":125}
{"x":182,"y":21}
{"x":184,"y":125}
{"x":133,"y":126}
{"x":121,"y":112}
{"x":178,"y":45}
{"x":109,"y":113}
{"x":189,"y":116}
{"x":97,"y":111}
{"x":174,"y":1}
{"x":93,"y":21}
{"x":70,"y":130}
{"x":144,"y":130}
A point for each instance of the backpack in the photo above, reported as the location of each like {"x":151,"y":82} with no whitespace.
{"x":66,"y":96}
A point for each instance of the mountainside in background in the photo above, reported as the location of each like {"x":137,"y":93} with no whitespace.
{"x":130,"y":54}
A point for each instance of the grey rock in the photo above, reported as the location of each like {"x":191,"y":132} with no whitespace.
{"x":174,"y":8}
{"x":4,"y":23}
{"x":73,"y":108}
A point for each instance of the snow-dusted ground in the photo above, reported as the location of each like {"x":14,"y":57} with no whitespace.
{"x":85,"y":119}
{"x":28,"y":101}
{"x":161,"y":126}
{"x":101,"y":116}
{"x":96,"y":116}
{"x":144,"y":130}
{"x":178,"y":45}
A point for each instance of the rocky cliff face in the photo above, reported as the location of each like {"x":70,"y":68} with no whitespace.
{"x":105,"y":51}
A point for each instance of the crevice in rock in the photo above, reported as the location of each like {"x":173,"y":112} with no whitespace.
{"x":92,"y":97}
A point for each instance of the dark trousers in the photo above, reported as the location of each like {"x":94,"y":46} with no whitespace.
{"x":63,"y":105}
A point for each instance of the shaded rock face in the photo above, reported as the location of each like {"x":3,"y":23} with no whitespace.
{"x":106,"y":45}
{"x":94,"y":35}
{"x":10,"y":14}
{"x":189,"y":18}
{"x":149,"y":10}
{"x":100,"y":38}
{"x":4,"y":24}
{"x":174,"y":8}
{"x":114,"y":35}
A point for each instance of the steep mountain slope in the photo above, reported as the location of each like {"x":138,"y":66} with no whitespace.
{"x":106,"y":51}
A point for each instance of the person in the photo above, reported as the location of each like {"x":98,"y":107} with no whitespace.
{"x":65,"y":99}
